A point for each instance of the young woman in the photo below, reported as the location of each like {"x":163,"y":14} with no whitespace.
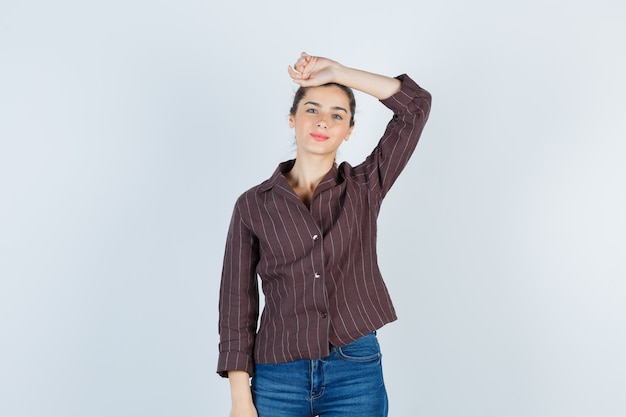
{"x":309,"y":233}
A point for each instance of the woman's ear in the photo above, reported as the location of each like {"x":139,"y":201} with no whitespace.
{"x":348,"y":134}
{"x":292,"y":122}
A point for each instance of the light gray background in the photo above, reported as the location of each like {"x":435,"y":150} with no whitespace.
{"x":128,"y":129}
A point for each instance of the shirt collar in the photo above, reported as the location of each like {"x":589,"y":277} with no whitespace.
{"x":329,"y":180}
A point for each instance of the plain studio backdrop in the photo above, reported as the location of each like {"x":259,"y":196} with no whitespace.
{"x":128,"y":129}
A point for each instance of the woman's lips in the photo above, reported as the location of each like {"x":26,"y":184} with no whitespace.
{"x":319,"y":136}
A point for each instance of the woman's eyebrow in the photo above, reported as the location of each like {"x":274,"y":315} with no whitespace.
{"x":333,"y":107}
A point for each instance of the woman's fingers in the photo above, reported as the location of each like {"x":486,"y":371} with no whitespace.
{"x":301,"y":62}
{"x":295,"y":75}
{"x":301,"y":70}
{"x":311,"y":70}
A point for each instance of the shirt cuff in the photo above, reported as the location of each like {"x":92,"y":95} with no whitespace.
{"x":407,"y":96}
{"x":234,"y":361}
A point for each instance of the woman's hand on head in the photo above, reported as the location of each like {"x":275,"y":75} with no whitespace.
{"x":311,"y":71}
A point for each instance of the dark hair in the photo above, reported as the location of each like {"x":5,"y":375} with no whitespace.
{"x":302,"y":91}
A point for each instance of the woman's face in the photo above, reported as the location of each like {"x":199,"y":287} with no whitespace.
{"x":322,"y":120}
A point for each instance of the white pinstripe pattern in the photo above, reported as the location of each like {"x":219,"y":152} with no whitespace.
{"x":271,"y":235}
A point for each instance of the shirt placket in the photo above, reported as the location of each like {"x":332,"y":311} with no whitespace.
{"x":318,"y":262}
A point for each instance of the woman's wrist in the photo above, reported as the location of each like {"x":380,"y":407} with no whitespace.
{"x":342,"y":74}
{"x":239,"y":387}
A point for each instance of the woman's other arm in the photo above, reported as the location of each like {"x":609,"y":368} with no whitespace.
{"x":241,"y":397}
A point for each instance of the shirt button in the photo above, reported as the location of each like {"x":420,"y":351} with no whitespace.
{"x":317,"y":275}
{"x":323,"y":315}
{"x":316,"y":237}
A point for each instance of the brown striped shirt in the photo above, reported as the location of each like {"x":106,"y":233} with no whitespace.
{"x":318,"y":266}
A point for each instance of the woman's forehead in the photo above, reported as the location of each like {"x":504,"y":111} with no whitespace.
{"x":326,"y":95}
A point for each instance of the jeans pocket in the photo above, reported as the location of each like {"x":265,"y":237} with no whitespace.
{"x":364,"y":349}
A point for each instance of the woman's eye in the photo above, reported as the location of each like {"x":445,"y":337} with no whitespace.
{"x":311,"y":110}
{"x":337,"y":116}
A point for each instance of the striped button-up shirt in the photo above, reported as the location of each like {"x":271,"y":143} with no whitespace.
{"x":318,"y":267}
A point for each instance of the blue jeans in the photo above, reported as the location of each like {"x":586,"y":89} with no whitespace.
{"x":346,"y":383}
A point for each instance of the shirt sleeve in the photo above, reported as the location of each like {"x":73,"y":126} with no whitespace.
{"x":239,"y":298}
{"x":411,"y":107}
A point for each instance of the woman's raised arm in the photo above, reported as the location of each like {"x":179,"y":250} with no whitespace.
{"x":311,"y":71}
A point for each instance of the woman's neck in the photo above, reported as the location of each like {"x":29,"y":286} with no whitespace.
{"x":306,"y":174}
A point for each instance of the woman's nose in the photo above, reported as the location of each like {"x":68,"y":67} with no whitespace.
{"x":322,"y":123}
